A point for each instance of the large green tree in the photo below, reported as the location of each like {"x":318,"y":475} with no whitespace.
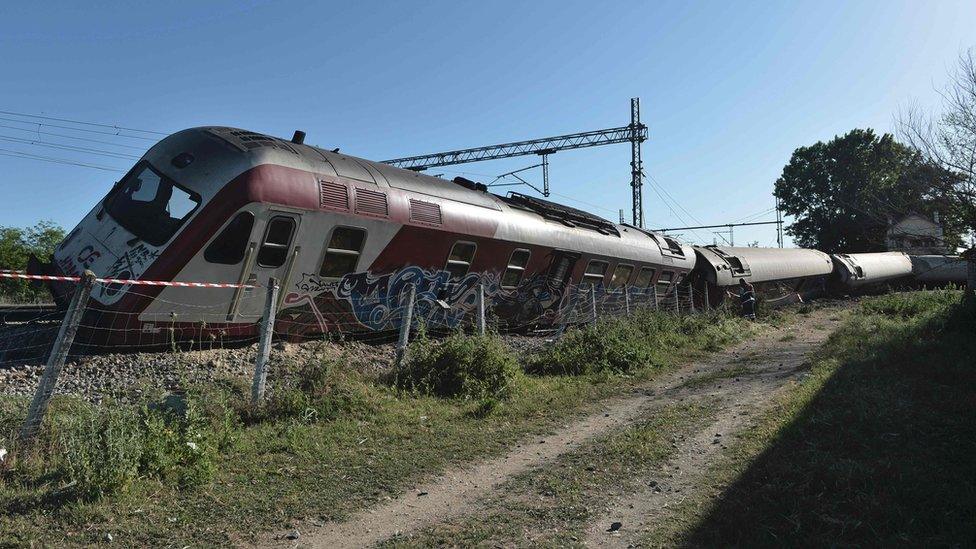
{"x":16,"y":245}
{"x":844,"y":192}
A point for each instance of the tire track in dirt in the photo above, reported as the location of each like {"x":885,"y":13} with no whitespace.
{"x":457,"y":493}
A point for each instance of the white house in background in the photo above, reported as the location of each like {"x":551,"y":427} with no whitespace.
{"x":916,"y":235}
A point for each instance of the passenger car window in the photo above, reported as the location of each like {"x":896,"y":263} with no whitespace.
{"x":150,"y":205}
{"x":664,"y":280}
{"x":342,"y":253}
{"x":644,"y":277}
{"x":621,"y":274}
{"x":595,"y":271}
{"x":229,"y":246}
{"x":516,"y":268}
{"x":277,"y":239}
{"x":459,"y":261}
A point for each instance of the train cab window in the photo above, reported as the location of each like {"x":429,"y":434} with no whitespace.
{"x":150,"y":205}
{"x":621,"y":274}
{"x":516,"y":268}
{"x":342,"y":253}
{"x":595,"y":272}
{"x":458,"y":263}
{"x":277,"y":239}
{"x":664,"y":281}
{"x":644,"y":277}
{"x":229,"y":246}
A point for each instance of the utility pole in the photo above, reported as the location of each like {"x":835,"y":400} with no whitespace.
{"x":779,"y":224}
{"x":636,"y":164}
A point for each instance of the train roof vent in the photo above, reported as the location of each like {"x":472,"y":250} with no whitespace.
{"x":333,"y":196}
{"x":249,"y":140}
{"x":371,"y":203}
{"x":425,"y":212}
{"x":570,"y":217}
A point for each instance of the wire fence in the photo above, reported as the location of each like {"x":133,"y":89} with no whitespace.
{"x":124,"y":316}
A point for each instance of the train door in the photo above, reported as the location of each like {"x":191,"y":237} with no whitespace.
{"x":271,"y":254}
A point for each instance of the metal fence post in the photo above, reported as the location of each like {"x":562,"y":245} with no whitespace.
{"x":593,"y":301}
{"x":626,"y":300}
{"x":401,"y":348}
{"x":677,"y":308}
{"x":708,"y":304}
{"x":691,"y":297}
{"x":264,"y":345}
{"x":481,"y":309}
{"x":59,"y":352}
{"x":654,"y":294}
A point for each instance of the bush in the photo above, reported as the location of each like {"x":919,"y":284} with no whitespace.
{"x":320,"y":391}
{"x":645,"y":339}
{"x":469,"y":367}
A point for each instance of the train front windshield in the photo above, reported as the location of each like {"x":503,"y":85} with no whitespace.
{"x":150,"y":205}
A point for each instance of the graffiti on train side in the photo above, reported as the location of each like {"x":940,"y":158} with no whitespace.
{"x":377,"y":301}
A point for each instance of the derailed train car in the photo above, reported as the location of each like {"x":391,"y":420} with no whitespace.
{"x":776,"y":273}
{"x":866,"y":269}
{"x":344,"y":236}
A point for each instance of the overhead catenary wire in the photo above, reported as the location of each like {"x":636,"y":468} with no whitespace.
{"x":37,"y":131}
{"x":70,"y":121}
{"x":50,"y":145}
{"x":53,"y":160}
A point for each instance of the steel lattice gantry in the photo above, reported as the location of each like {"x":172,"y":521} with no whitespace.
{"x":635,"y":133}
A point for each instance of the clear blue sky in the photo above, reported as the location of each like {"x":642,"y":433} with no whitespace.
{"x":728,"y":89}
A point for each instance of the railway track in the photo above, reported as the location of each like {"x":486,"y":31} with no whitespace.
{"x":26,"y":312}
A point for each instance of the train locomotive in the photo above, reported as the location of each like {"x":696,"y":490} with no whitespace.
{"x":346,"y":237}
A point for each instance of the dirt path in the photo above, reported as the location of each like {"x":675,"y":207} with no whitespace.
{"x":742,"y":398}
{"x":772,"y":359}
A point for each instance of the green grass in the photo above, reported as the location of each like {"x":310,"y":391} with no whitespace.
{"x":874,"y":448}
{"x":330,"y":441}
{"x":554,"y":505}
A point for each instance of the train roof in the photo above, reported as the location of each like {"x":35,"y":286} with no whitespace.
{"x":526,"y":218}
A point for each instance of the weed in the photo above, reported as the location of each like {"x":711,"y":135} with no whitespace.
{"x":644,"y":340}
{"x":476,"y":367}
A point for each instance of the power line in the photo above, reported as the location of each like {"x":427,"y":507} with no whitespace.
{"x":73,"y":148}
{"x":68,"y":120}
{"x":87,"y":130}
{"x":29,"y":156}
{"x":75,"y":137}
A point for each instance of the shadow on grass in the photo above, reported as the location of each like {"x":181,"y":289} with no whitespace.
{"x":880,"y":451}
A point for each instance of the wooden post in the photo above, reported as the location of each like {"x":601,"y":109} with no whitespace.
{"x":264,"y":345}
{"x":691,"y":297}
{"x":708,"y":304}
{"x":593,"y":301}
{"x":59,"y":352}
{"x":480,"y":319}
{"x":677,"y":308}
{"x":654,"y":294}
{"x":401,"y":348}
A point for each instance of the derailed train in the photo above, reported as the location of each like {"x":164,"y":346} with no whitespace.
{"x":347,"y":236}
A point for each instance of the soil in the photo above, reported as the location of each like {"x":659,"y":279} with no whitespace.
{"x":770,"y":361}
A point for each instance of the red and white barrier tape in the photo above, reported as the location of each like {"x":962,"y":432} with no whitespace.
{"x":15,"y":274}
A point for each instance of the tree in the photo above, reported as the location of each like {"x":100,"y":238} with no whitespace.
{"x":16,"y":245}
{"x":844,"y":193}
{"x":948,"y":140}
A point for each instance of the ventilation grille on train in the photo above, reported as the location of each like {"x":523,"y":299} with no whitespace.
{"x":333,"y":195}
{"x":252,"y":140}
{"x":425,"y":212}
{"x":371,"y":203}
